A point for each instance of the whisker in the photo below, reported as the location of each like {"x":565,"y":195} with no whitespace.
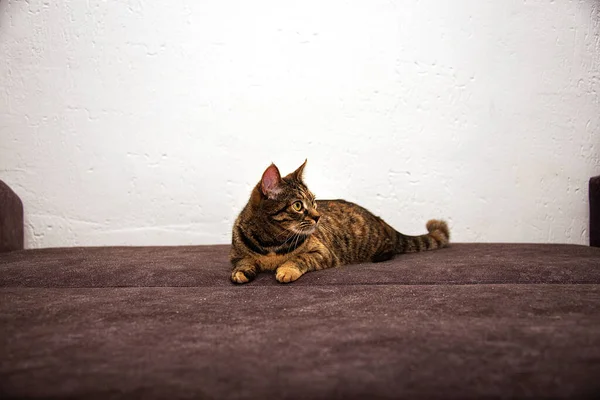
{"x":281,"y":234}
{"x":289,"y":237}
{"x":296,"y":236}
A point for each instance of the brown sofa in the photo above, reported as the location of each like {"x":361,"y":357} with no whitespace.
{"x":470,"y":321}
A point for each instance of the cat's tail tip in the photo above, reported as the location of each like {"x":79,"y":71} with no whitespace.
{"x":438,"y":227}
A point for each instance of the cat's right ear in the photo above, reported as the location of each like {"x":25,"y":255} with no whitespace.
{"x":270,"y":184}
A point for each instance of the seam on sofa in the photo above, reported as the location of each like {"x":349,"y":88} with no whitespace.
{"x":571,"y":283}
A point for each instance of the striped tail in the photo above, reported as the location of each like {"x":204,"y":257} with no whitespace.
{"x":438,"y":237}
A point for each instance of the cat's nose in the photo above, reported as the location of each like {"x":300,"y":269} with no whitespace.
{"x":316,"y":218}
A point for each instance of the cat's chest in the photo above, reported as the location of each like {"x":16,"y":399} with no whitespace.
{"x":270,"y":262}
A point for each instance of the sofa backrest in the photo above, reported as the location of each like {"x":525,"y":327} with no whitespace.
{"x":11,"y":220}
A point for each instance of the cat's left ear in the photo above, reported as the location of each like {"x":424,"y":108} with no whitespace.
{"x":298,"y":174}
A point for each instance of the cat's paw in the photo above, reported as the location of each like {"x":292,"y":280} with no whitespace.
{"x":287,"y":274}
{"x":241,"y":276}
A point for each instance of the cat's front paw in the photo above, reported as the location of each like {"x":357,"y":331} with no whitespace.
{"x":287,"y":273}
{"x":242,"y":275}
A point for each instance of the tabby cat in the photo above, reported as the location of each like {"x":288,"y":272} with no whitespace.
{"x":285,"y":230}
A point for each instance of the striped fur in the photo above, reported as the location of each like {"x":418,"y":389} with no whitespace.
{"x":271,"y":235}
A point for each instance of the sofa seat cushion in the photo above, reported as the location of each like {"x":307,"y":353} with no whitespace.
{"x":196,"y":266}
{"x":298,"y":342}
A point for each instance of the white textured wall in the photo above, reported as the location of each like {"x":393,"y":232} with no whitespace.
{"x":132,"y":122}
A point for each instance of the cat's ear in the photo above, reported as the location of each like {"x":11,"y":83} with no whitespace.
{"x":297,"y":174}
{"x":270,"y":184}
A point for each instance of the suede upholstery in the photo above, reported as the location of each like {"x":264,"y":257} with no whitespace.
{"x":470,"y":321}
{"x":11,"y":220}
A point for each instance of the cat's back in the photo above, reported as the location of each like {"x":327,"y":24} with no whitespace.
{"x":334,"y":205}
{"x":352,"y":232}
{"x":344,"y":210}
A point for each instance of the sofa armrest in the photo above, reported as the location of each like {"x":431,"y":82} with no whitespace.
{"x":11,"y":220}
{"x":595,"y":211}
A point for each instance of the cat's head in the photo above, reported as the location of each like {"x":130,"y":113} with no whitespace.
{"x":285,"y":203}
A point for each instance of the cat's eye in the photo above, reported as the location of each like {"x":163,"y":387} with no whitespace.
{"x":297,"y":206}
